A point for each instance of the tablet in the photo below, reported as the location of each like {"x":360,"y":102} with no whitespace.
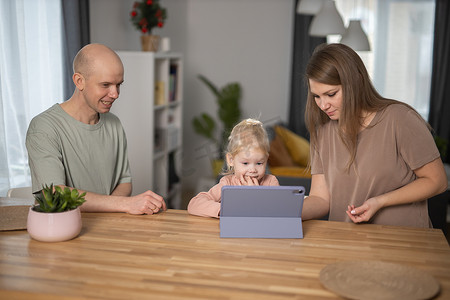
{"x":261,"y":211}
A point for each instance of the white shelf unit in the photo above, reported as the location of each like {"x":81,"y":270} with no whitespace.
{"x":150,"y":108}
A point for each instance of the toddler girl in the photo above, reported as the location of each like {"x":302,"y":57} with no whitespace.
{"x":246,"y":157}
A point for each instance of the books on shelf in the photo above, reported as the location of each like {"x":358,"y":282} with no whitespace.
{"x":160,"y":97}
{"x":173,"y":78}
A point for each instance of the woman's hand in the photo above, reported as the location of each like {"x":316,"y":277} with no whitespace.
{"x":431,"y":180}
{"x":364,"y":212}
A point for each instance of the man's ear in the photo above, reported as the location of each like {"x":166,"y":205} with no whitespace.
{"x":79,"y":81}
{"x":229,"y":158}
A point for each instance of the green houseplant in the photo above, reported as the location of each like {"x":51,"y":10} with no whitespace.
{"x":56,"y":216}
{"x":229,"y":113}
{"x":56,"y":199}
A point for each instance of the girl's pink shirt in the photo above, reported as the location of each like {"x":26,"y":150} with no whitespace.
{"x":207,"y":204}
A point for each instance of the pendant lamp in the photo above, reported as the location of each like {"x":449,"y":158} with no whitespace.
{"x":355,"y":38}
{"x":309,"y":7}
{"x":327,"y":21}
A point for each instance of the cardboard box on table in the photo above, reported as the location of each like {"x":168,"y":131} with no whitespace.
{"x":14,"y":213}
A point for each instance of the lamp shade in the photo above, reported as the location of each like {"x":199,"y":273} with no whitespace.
{"x":355,"y":38}
{"x":327,"y":21}
{"x":309,"y":7}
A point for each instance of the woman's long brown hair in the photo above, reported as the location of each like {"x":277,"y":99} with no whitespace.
{"x":338,"y":64}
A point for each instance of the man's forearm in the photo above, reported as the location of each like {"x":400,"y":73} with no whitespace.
{"x":123,"y":189}
{"x":121,"y":201}
{"x":104,"y":203}
{"x":107,"y":203}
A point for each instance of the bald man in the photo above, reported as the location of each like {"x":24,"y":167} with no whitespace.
{"x":80,"y":144}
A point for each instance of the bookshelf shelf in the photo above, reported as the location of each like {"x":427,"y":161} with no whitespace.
{"x":150,"y":108}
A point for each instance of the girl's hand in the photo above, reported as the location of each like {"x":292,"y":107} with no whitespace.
{"x":364,"y":212}
{"x":247,"y":180}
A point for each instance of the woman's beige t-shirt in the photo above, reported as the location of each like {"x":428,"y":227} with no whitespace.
{"x":396,"y":143}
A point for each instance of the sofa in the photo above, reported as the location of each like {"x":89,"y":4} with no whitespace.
{"x":289,"y":157}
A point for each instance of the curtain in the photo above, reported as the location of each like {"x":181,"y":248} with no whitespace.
{"x":76,"y":35}
{"x":38,"y":41}
{"x":439,"y":101}
{"x":304,"y":45}
{"x":30,"y":78}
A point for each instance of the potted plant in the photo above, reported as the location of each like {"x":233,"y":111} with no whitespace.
{"x":229,"y":112}
{"x":146,"y":15}
{"x":56,"y":217}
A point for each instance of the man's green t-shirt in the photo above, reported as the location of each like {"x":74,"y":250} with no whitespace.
{"x":64,"y":151}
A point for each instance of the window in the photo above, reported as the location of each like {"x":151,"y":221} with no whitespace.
{"x":31,"y":78}
{"x":401,"y":37}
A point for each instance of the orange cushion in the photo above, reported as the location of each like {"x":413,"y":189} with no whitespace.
{"x":291,"y":172}
{"x":278,"y":154}
{"x":297,"y":146}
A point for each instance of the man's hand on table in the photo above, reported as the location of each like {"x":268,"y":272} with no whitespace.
{"x":146,"y":203}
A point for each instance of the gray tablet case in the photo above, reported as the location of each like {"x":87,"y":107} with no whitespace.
{"x":261,"y":211}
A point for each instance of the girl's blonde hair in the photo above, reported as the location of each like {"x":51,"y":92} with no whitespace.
{"x":247,"y":134}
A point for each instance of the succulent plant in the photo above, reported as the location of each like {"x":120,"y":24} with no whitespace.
{"x":52,"y":200}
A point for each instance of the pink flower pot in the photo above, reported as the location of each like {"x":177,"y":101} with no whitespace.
{"x":54,"y":227}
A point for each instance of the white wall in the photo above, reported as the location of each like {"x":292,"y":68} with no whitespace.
{"x":248,"y":41}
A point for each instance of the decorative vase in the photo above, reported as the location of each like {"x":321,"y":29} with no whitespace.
{"x":54,"y":227}
{"x":150,"y":42}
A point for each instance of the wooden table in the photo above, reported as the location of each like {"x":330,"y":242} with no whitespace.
{"x":174,"y":255}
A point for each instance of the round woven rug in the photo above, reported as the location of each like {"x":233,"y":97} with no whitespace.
{"x":378,"y":280}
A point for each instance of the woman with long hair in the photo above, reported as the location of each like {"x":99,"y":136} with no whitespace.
{"x":372,"y":159}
